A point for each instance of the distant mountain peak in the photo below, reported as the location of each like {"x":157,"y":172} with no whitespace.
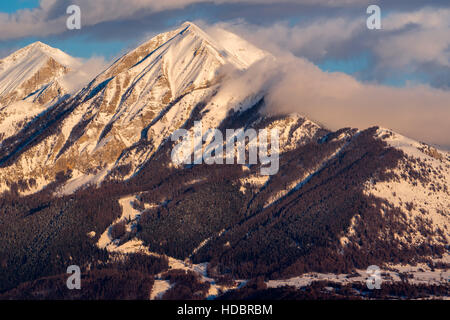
{"x":39,"y":49}
{"x":33,"y":70}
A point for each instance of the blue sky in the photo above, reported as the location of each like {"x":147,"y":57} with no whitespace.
{"x":333,"y":37}
{"x":13,"y":6}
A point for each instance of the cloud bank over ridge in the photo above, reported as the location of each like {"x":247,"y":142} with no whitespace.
{"x":337,"y":100}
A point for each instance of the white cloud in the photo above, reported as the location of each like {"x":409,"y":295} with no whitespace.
{"x":88,"y":70}
{"x":416,"y":37}
{"x":40,"y":21}
{"x":337,"y":100}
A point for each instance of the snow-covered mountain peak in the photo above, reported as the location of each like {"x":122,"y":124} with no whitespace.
{"x":194,"y":30}
{"x":187,"y":50}
{"x":33,"y":70}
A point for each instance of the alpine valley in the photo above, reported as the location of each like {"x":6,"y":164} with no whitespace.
{"x":87,"y":179}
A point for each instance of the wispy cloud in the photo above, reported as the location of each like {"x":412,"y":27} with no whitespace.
{"x":414,"y":40}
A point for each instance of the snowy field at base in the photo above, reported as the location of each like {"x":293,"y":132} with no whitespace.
{"x":418,"y":274}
